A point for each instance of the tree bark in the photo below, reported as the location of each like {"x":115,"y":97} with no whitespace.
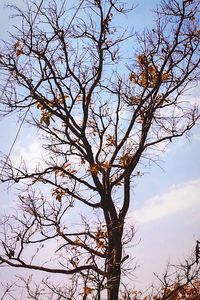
{"x":114,"y":283}
{"x":114,"y":262}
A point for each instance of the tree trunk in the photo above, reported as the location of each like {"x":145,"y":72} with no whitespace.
{"x":114,"y":262}
{"x":114,"y":283}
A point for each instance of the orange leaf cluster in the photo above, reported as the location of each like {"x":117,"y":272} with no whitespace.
{"x":190,"y":291}
{"x":60,"y":99}
{"x":142,"y":59}
{"x":101,"y":236}
{"x":77,"y":242}
{"x":58,"y":193}
{"x":106,"y":165}
{"x":18,"y":48}
{"x":110,"y":140}
{"x":125,"y":160}
{"x":61,"y":172}
{"x":100,"y":244}
{"x":187,"y":292}
{"x":87,"y":290}
{"x":149,"y":75}
{"x":96,"y":168}
{"x":45,"y":117}
{"x":74,"y":262}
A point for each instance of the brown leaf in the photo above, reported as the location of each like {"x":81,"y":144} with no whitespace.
{"x":125,"y":160}
{"x":100,"y":244}
{"x":94,"y":169}
{"x":57,"y":172}
{"x":87,"y":290}
{"x":66,"y":165}
{"x":16,"y":45}
{"x":59,"y":197}
{"x":72,"y":171}
{"x":110,"y":140}
{"x":19,"y":52}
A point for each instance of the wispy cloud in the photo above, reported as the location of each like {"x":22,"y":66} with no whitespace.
{"x":179,"y":198}
{"x":31,"y":153}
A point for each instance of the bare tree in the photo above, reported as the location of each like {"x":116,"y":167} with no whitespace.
{"x":101,"y":118}
{"x":179,"y":282}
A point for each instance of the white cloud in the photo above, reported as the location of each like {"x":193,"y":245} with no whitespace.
{"x":31,"y":153}
{"x":179,"y":198}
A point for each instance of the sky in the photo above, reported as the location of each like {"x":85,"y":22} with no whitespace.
{"x":165,"y":201}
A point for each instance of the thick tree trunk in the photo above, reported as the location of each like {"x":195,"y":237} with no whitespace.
{"x":114,"y":263}
{"x":114,"y":283}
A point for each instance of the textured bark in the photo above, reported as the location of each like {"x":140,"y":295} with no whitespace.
{"x":114,"y":260}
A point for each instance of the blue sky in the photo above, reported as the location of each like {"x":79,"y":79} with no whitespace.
{"x":165,"y":202}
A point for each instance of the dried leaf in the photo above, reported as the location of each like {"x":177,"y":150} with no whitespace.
{"x":57,"y":172}
{"x":66,"y":165}
{"x":72,"y":171}
{"x":19,"y":52}
{"x":16,"y":45}
{"x":110,"y":140}
{"x":83,"y":161}
{"x":192,"y":18}
{"x":39,"y":106}
{"x":165,"y":76}
{"x":87,"y":290}
{"x":74,"y":262}
{"x":100,"y":244}
{"x":133,"y":77}
{"x":45,"y":118}
{"x":125,"y":160}
{"x":106,"y":165}
{"x":142,"y":59}
{"x":58,"y":193}
{"x":59,"y":197}
{"x":94,"y":169}
{"x":77,"y":242}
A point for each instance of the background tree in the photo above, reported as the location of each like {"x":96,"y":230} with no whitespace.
{"x":100,"y":119}
{"x":179,"y":282}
